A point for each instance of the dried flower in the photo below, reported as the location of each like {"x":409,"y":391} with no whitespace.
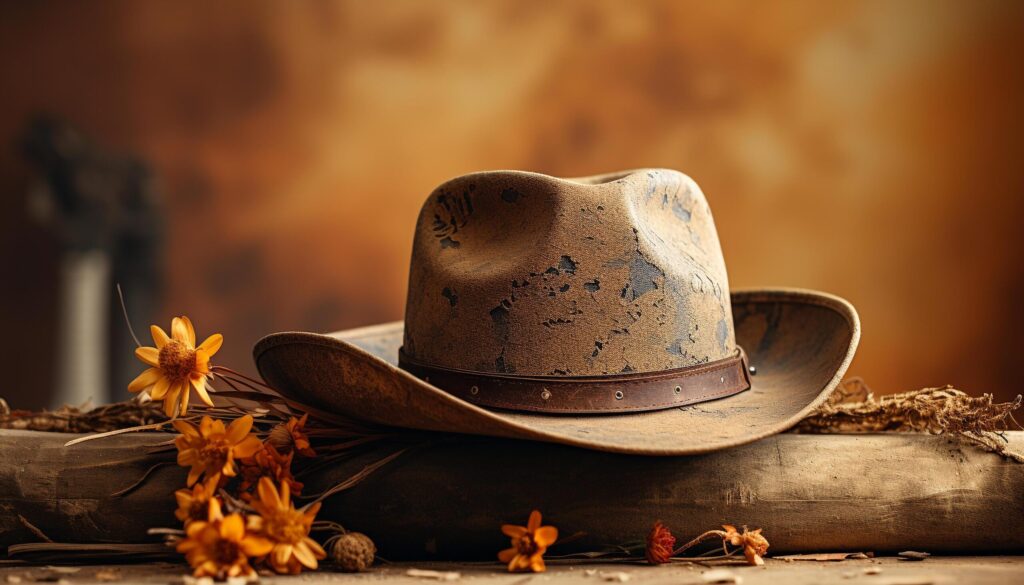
{"x":353,"y":551}
{"x":286,"y":527}
{"x":220,"y":547}
{"x":211,"y":448}
{"x":660,"y":544}
{"x":528,"y":544}
{"x":176,"y":364}
{"x":291,"y":437}
{"x":267,"y":462}
{"x":754,"y":544}
{"x":194,"y":504}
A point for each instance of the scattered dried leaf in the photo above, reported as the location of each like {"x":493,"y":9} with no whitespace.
{"x":723,"y":576}
{"x":437,"y":575}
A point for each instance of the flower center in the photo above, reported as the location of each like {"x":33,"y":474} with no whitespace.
{"x":176,"y":360}
{"x":525,"y":545}
{"x":214,"y":453}
{"x":198,"y":510}
{"x":286,"y":526}
{"x":226,"y":552}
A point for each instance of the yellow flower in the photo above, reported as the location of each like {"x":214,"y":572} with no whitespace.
{"x":211,"y":448}
{"x":528,"y":544}
{"x":175,"y":365}
{"x":287,"y":528}
{"x":194,"y":504}
{"x":754,"y":544}
{"x":220,"y":547}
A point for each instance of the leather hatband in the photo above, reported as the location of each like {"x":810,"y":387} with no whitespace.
{"x":626,"y":392}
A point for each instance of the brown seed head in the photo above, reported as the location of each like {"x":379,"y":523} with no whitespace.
{"x":177,"y":361}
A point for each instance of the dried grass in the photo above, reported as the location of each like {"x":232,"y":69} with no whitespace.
{"x":854,"y":408}
{"x":84,"y":418}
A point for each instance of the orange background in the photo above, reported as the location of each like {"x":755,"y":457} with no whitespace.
{"x":869,"y":149}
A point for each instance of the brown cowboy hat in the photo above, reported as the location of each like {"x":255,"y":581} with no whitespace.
{"x":593,"y":312}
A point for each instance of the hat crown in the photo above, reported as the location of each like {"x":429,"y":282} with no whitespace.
{"x":525,"y":274}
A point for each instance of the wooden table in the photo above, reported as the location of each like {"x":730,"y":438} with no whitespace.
{"x":880,"y":571}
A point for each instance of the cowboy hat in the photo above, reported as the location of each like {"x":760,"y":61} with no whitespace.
{"x":593,"y":312}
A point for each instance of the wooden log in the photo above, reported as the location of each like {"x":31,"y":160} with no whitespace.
{"x":447,"y":499}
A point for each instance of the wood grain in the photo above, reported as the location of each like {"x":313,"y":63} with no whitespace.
{"x":447,"y":498}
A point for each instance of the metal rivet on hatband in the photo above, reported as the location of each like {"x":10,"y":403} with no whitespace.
{"x":618,"y":395}
{"x":545,"y":394}
{"x":474,"y":390}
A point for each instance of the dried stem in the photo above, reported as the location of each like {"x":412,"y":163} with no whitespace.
{"x":699,"y":539}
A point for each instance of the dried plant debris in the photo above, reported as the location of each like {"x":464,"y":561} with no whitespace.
{"x":854,"y":408}
{"x":83,"y":419}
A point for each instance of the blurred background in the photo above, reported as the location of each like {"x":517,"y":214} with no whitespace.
{"x":258,"y":166}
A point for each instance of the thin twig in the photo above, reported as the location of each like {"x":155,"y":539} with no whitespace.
{"x":152,"y":427}
{"x":124,"y":310}
{"x":34,"y":529}
{"x":141,"y":480}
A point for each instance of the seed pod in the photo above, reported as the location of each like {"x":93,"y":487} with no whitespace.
{"x":353,"y":552}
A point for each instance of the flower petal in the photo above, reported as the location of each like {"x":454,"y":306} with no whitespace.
{"x":268,"y":493}
{"x":233,"y":528}
{"x":202,"y":362}
{"x":193,"y":475}
{"x":145,"y":380}
{"x":148,"y":355}
{"x":248,"y":447}
{"x":205,"y":425}
{"x":160,"y":388}
{"x":318,"y":551}
{"x":537,"y":564}
{"x":185,"y":392}
{"x":239,"y":428}
{"x":304,"y":555}
{"x":545,"y":536}
{"x":513,"y":531}
{"x":171,"y":401}
{"x":256,"y":546}
{"x":186,"y":428}
{"x":282,"y":553}
{"x":160,"y":337}
{"x":212,"y":344}
{"x":507,"y":555}
{"x":214,"y":511}
{"x":200,"y":385}
{"x":181,"y":330}
{"x":534,"y":522}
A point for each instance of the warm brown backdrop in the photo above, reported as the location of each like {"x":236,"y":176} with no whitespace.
{"x":871,"y":149}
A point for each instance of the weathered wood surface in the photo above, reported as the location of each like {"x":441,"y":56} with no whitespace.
{"x":879,"y":571}
{"x":446,"y":500}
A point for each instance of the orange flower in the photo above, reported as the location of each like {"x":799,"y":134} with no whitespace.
{"x":220,"y":547}
{"x":754,"y":545}
{"x":194,"y":504}
{"x":176,"y":364}
{"x":267,"y":462}
{"x":287,"y":528}
{"x":211,"y":448}
{"x":291,"y":436}
{"x":660,"y":544}
{"x":528,"y":544}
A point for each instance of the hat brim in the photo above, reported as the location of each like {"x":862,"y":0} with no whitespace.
{"x":799,"y":341}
